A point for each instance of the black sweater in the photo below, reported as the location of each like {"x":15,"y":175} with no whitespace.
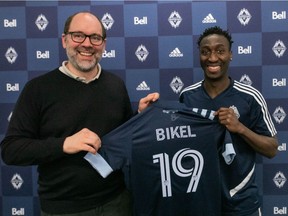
{"x":50,"y":108}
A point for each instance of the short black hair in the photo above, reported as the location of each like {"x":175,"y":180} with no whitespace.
{"x":216,"y":30}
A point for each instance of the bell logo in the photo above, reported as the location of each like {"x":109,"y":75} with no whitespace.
{"x":13,"y":88}
{"x":243,"y":50}
{"x":280,"y":211}
{"x":44,"y":55}
{"x":11,"y":24}
{"x":107,"y":54}
{"x":276,"y":82}
{"x":138,"y":21}
{"x":279,"y":16}
{"x":15,"y":211}
{"x":282,"y":147}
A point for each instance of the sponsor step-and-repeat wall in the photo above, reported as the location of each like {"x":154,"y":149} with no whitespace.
{"x":152,"y":46}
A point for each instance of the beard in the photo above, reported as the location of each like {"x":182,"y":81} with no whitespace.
{"x":83,"y":65}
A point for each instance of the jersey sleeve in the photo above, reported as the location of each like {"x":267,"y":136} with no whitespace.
{"x":262,"y":118}
{"x":228,"y":151}
{"x":115,"y":152}
{"x":99,"y":164}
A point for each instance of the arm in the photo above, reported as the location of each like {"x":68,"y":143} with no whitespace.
{"x":27,"y":141}
{"x":264,"y":145}
{"x":17,"y":150}
{"x":84,"y":140}
{"x":22,"y":144}
{"x":21,"y":150}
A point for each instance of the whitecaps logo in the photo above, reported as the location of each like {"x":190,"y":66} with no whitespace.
{"x":176,"y":84}
{"x":245,"y":79}
{"x":279,"y":179}
{"x":141,"y":53}
{"x":11,"y":55}
{"x":279,"y":48}
{"x":175,"y":19}
{"x":17,"y":181}
{"x":107,"y":21}
{"x":279,"y":115}
{"x":41,"y":22}
{"x":244,"y":16}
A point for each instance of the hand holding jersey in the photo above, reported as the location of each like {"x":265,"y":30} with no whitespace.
{"x":171,"y":153}
{"x":84,"y":140}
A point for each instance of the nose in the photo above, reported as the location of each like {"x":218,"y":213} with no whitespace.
{"x":213,"y":56}
{"x":87,"y":42}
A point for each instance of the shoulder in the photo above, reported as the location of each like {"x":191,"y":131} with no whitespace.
{"x":190,"y":89}
{"x":245,"y":88}
{"x":110,"y":76}
{"x":44,"y":79}
{"x":111,"y":79}
{"x":248,"y":91}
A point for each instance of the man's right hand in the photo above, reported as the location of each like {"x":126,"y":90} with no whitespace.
{"x":84,"y":140}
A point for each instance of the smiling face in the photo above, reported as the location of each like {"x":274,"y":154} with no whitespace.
{"x":83,"y":57}
{"x":215,"y":56}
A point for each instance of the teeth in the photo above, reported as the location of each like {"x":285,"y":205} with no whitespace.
{"x":213,"y":68}
{"x":86,"y":54}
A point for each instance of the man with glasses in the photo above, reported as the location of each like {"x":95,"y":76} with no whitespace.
{"x":62,"y":115}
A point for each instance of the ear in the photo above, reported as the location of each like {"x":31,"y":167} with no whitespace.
{"x":104,"y":45}
{"x":64,"y":39}
{"x":231,"y":55}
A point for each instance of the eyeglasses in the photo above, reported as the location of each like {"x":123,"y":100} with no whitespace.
{"x":79,"y":37}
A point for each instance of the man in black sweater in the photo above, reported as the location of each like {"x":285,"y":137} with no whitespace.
{"x":62,"y":115}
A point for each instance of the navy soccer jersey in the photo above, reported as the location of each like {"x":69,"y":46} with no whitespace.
{"x":239,"y":188}
{"x":171,"y":155}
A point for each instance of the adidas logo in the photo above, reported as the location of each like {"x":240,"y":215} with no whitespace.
{"x":176,"y":53}
{"x":209,"y":19}
{"x":143,"y":86}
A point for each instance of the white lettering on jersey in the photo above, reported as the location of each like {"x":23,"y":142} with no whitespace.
{"x":178,"y":132}
{"x":195,"y":171}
